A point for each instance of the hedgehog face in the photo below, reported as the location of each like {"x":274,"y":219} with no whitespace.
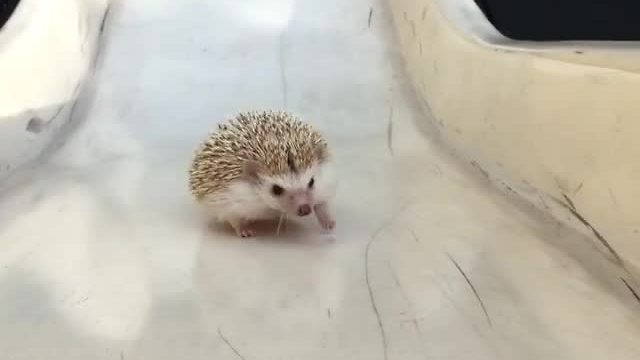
{"x":290,"y":193}
{"x":296,"y":193}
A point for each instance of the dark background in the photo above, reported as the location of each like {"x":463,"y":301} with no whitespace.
{"x":6,"y":9}
{"x":564,"y":19}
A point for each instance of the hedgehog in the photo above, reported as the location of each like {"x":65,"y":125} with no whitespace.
{"x":262,"y":166}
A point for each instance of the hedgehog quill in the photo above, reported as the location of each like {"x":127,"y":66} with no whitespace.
{"x":264,"y":165}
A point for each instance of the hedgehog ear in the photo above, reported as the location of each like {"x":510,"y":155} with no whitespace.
{"x":321,"y":152}
{"x":251,"y":170}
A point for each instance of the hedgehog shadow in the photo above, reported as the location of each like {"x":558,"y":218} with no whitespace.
{"x":290,"y":232}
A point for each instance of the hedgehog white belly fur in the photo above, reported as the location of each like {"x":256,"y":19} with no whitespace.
{"x":262,"y":165}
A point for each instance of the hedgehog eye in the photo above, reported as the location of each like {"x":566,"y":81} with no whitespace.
{"x":311,"y":182}
{"x":277,"y":190}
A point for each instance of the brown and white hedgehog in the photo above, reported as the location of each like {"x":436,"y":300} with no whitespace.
{"x":264,"y":165}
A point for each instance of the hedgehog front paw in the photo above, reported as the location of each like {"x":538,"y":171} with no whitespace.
{"x":243,"y":229}
{"x":246,"y":232}
{"x":328,"y":224}
{"x":324,"y":217}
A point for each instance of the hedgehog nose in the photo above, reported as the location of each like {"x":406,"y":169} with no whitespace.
{"x":304,"y":210}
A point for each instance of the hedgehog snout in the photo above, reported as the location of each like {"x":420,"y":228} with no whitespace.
{"x":304,"y":210}
{"x":299,"y":202}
